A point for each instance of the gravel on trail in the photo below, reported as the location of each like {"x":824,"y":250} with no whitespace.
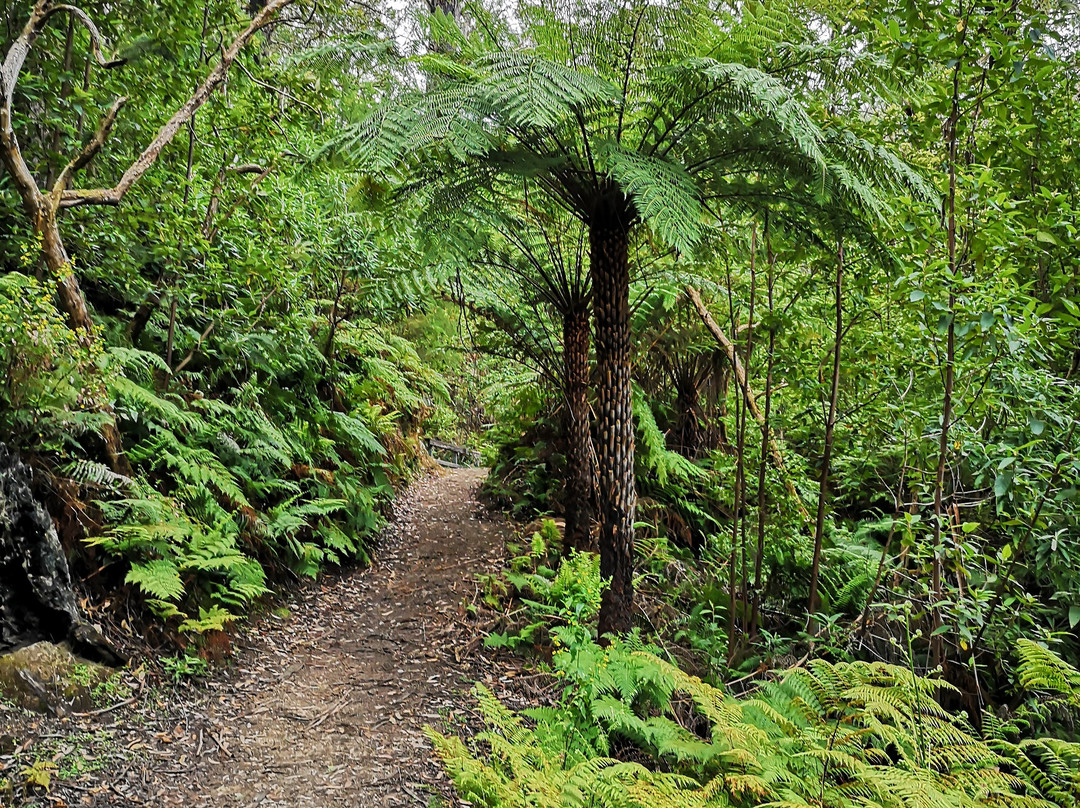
{"x":323,"y":705}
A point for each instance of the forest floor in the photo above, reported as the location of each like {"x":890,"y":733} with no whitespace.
{"x":323,"y":703}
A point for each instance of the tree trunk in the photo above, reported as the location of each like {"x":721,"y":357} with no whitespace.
{"x":759,"y":555}
{"x":73,"y":304}
{"x":937,"y":647}
{"x":748,"y":394}
{"x":716,"y":393}
{"x":688,"y":433}
{"x":830,"y":428}
{"x":616,"y":495}
{"x":738,"y":520}
{"x":737,"y":508}
{"x":740,"y":516}
{"x":144,"y":313}
{"x":578,"y":497}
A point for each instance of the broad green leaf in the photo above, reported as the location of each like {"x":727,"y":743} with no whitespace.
{"x":1003,"y":483}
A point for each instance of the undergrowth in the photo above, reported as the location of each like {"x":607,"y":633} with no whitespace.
{"x":632,"y":729}
{"x":269,"y":462}
{"x":630,"y":726}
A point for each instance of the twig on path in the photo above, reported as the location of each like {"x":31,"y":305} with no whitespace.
{"x":220,"y":745}
{"x":105,"y":710}
{"x":124,"y":796}
{"x":296,"y":667}
{"x":465,"y":562}
{"x":329,"y":712}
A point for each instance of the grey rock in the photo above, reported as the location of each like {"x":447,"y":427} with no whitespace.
{"x":37,"y":601}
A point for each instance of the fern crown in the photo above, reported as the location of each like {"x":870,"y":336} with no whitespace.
{"x":653,"y":113}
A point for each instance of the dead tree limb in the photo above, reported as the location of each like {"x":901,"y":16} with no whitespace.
{"x":748,"y":394}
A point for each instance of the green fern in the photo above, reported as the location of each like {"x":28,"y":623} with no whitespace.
{"x":158,"y":579}
{"x":1041,"y":669}
{"x":92,"y":473}
{"x":829,"y":736}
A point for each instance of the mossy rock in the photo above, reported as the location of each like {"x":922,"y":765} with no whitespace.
{"x":48,"y":678}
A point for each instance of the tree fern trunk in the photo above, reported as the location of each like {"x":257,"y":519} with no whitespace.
{"x":578,"y":498}
{"x":616,"y":496}
{"x":688,"y":410}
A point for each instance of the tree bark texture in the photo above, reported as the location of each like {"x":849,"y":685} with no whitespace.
{"x":616,"y":494}
{"x":688,"y":433}
{"x":578,"y":496}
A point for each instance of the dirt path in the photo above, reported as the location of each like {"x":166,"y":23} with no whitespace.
{"x":325,"y":705}
{"x":361,"y":667}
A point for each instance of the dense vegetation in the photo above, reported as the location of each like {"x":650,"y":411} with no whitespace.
{"x":243,"y":351}
{"x":774,"y":304}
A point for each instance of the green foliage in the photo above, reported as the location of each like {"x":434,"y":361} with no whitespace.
{"x":782,"y":152}
{"x":658,"y":464}
{"x":39,"y":774}
{"x":525,"y":769}
{"x":184,"y":666}
{"x":567,"y":595}
{"x":829,"y":735}
{"x":267,"y":404}
{"x":271,"y":351}
{"x":240,"y":483}
{"x":50,"y":388}
{"x":530,"y":455}
{"x":1040,"y":669}
{"x":571,"y":595}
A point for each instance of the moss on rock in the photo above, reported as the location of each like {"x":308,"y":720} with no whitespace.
{"x":49,"y":678}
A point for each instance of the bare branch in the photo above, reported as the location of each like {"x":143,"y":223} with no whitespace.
{"x":87,"y":196}
{"x":280,"y":91}
{"x":112,"y":196}
{"x":248,"y":168}
{"x":10,"y":153}
{"x":16,"y":55}
{"x":88,"y":24}
{"x":748,"y":394}
{"x":191,"y":353}
{"x":90,"y":150}
{"x":210,"y":229}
